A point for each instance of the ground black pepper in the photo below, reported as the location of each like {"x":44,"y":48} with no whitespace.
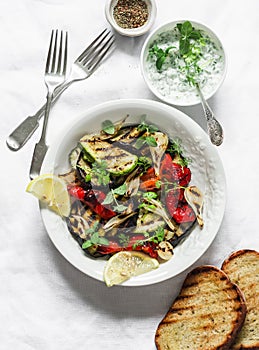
{"x":130,"y":14}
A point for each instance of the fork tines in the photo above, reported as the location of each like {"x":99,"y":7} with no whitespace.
{"x":57,"y":58}
{"x":97,"y":50}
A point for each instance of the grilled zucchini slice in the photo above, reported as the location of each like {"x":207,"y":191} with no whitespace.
{"x":119,"y":161}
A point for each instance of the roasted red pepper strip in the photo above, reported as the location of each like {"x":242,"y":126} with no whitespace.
{"x":150,"y":248}
{"x":177,"y":206}
{"x":112,"y":248}
{"x":104,"y":212}
{"x":93,"y":199}
{"x":77,"y":192}
{"x":174,"y":198}
{"x":184,"y":214}
{"x":174,"y":172}
{"x":148,"y":180}
{"x":146,"y":247}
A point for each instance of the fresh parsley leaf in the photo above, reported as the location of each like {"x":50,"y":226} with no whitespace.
{"x":195,"y":34}
{"x":109,"y":198}
{"x":145,"y":163}
{"x":120,"y":190}
{"x":146,"y":206}
{"x":150,"y":195}
{"x":123,"y":239}
{"x":140,"y":142}
{"x":158,"y":236}
{"x":160,"y":55}
{"x":151,"y":141}
{"x":190,"y":44}
{"x":87,"y":244}
{"x":94,"y":238}
{"x":99,"y":169}
{"x":108,"y":127}
{"x":184,"y":43}
{"x":186,"y":29}
{"x":158,"y":184}
{"x":87,"y":177}
{"x":175,"y":149}
{"x":150,"y":128}
{"x":120,"y":208}
{"x":103,"y":241}
{"x":92,"y":229}
{"x":184,"y":46}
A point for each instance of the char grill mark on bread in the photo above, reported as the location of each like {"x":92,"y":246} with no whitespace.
{"x":242,"y":267}
{"x":206,"y":315}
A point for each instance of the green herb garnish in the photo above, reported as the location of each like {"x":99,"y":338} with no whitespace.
{"x":143,"y":126}
{"x":94,"y":238}
{"x":190,"y":45}
{"x":159,"y":236}
{"x":148,"y":138}
{"x":111,"y":198}
{"x":158,"y":184}
{"x":175,"y":149}
{"x":123,"y":239}
{"x":187,"y":33}
{"x":108,"y":127}
{"x":99,"y":169}
{"x":160,"y":54}
{"x":150,"y":195}
{"x":145,"y":163}
{"x":121,"y":190}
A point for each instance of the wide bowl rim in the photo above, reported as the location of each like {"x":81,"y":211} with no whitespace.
{"x":54,"y":224}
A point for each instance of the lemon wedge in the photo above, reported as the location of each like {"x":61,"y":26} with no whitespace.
{"x":123,"y":265}
{"x":51,"y":190}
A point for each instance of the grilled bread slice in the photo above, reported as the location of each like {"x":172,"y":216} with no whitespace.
{"x":242,"y":267}
{"x":206,"y":315}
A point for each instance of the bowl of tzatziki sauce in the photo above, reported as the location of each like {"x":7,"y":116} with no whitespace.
{"x":178,"y":54}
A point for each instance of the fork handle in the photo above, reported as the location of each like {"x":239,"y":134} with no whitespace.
{"x":17,"y":139}
{"x":41,"y":148}
{"x":39,"y":153}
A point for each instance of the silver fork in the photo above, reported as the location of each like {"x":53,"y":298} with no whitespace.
{"x":55,"y":75}
{"x":82,"y":68}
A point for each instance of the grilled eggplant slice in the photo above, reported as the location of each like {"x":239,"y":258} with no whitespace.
{"x":74,"y":156}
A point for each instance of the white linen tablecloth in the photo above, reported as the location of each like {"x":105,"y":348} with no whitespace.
{"x":45,"y":303}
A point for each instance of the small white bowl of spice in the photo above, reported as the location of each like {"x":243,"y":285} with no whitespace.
{"x":177,"y":56}
{"x":131,"y":17}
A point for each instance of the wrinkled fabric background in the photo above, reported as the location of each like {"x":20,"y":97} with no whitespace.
{"x":45,"y":303}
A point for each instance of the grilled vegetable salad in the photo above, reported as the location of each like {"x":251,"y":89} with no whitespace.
{"x":130,"y":190}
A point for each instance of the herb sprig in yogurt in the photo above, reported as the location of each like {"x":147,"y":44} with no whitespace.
{"x":182,"y":56}
{"x":190,"y":44}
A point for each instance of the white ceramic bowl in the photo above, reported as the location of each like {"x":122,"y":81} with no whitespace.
{"x":207,"y":174}
{"x":167,"y":91}
{"x":152,"y":10}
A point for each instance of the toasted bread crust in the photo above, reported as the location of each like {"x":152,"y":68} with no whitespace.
{"x":242,"y":267}
{"x":207,"y":314}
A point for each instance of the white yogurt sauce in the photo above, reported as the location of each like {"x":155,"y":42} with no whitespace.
{"x":171,"y":82}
